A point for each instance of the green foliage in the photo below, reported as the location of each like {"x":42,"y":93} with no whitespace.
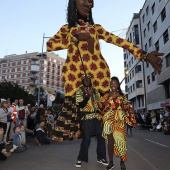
{"x":14,"y":91}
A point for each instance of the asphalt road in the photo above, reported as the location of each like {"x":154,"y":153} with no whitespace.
{"x":146,"y":151}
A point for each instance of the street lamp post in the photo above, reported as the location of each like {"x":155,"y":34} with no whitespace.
{"x":40,"y":66}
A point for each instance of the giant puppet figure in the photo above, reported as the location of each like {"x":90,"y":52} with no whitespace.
{"x":80,"y":36}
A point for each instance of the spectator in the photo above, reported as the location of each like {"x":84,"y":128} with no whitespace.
{"x":153,"y":118}
{"x":23,"y":136}
{"x":40,"y":134}
{"x":166,"y":128}
{"x":17,"y":145}
{"x":3,"y":115}
{"x":9,"y":120}
{"x":22,"y":112}
{"x":3,"y":153}
{"x":40,"y":113}
{"x":50,"y":123}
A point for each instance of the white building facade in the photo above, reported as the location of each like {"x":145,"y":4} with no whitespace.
{"x":154,"y":33}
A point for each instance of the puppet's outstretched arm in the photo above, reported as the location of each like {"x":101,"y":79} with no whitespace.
{"x":61,"y":40}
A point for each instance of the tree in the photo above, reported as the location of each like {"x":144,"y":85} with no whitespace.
{"x":14,"y":91}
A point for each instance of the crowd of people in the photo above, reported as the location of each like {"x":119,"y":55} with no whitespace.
{"x":94,"y":105}
{"x":18,"y":121}
{"x":156,"y":120}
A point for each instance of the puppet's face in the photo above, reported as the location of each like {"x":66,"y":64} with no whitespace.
{"x":83,"y":7}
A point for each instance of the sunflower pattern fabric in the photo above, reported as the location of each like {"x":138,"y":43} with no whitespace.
{"x":115,"y":116}
{"x":94,"y":64}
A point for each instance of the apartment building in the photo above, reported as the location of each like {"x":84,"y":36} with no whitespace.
{"x":135,"y":79}
{"x":25,"y":69}
{"x":154,"y":34}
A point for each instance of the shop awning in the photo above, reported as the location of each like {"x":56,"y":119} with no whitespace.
{"x":49,"y":90}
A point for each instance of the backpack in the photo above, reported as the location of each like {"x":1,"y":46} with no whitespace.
{"x":21,"y":114}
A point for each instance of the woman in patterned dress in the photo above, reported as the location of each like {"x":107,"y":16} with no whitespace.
{"x":116,"y":111}
{"x":81,"y":39}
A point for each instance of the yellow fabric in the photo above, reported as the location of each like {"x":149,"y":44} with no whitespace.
{"x":94,"y":64}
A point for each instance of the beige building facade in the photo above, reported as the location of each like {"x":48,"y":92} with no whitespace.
{"x":25,"y":70}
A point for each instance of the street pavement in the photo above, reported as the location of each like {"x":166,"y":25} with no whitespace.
{"x":146,"y":151}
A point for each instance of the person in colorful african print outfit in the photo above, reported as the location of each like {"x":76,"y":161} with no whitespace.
{"x":81,"y":37}
{"x":116,"y":111}
{"x":87,"y":98}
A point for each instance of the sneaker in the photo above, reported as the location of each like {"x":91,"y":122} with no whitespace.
{"x":78,"y":164}
{"x":102,"y":161}
{"x":122,"y":166}
{"x":110,"y":166}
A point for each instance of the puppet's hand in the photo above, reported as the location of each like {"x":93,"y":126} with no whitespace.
{"x":156,"y":62}
{"x":88,"y":38}
{"x":83,"y":36}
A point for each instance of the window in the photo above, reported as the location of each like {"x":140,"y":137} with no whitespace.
{"x":163,"y":15}
{"x":136,"y":35}
{"x":157,"y":46}
{"x":153,"y":76}
{"x":138,"y":69}
{"x":153,"y":8}
{"x":22,"y":62}
{"x":147,"y":64}
{"x":139,"y":84}
{"x":148,"y":79}
{"x":148,"y":25}
{"x":165,"y":36}
{"x":27,"y":61}
{"x":143,"y":18}
{"x":133,"y":74}
{"x":150,"y":42}
{"x":167,"y":90}
{"x":155,"y":26}
{"x":147,"y":10}
{"x":168,"y":60}
{"x":144,"y":32}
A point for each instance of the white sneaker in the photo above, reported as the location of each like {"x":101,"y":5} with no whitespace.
{"x":78,"y":164}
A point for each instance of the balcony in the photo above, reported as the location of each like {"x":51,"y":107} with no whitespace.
{"x":34,"y":62}
{"x":34,"y":76}
{"x":34,"y":68}
{"x":33,"y":83}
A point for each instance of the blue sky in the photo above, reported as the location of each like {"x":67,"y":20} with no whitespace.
{"x":23,"y":23}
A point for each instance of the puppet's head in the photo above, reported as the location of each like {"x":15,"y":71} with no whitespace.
{"x":74,"y":13}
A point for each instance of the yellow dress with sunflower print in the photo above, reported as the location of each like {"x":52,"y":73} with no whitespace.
{"x":94,"y":64}
{"x":115,"y":116}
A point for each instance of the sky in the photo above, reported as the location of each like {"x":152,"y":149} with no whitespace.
{"x":23,"y":23}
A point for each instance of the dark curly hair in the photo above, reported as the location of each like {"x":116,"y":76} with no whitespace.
{"x":119,"y":89}
{"x":73,"y":15}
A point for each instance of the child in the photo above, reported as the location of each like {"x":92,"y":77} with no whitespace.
{"x":50,"y":123}
{"x":23,"y":136}
{"x":3,"y":153}
{"x":17,"y":145}
{"x":40,"y":134}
